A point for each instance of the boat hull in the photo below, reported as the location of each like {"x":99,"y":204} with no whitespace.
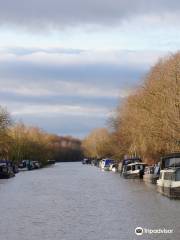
{"x":106,"y":168}
{"x":171,"y":192}
{"x":114,"y":170}
{"x":6,"y":175}
{"x":150,"y":178}
{"x":132,"y":176}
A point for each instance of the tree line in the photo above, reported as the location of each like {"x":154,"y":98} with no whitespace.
{"x":147,"y":123}
{"x":20,"y":142}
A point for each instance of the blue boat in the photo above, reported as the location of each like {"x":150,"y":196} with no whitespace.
{"x":105,"y":163}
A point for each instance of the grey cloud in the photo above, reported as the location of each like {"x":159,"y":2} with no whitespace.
{"x":96,"y":101}
{"x":27,"y":51}
{"x":105,"y":74}
{"x":60,"y":13}
{"x":19,"y":78}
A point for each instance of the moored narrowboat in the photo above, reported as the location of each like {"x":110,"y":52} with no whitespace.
{"x":169,"y":183}
{"x":113,"y":167}
{"x":86,"y":161}
{"x":29,"y":165}
{"x":151,"y":174}
{"x":6,"y":169}
{"x":169,"y":180}
{"x":127,"y":161}
{"x":133,"y":170}
{"x":170,"y":161}
{"x":105,"y":164}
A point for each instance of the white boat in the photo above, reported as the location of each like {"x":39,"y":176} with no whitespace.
{"x":127,"y":161}
{"x":151,"y":174}
{"x":113,"y":167}
{"x":105,"y":164}
{"x":134,"y":170}
{"x":169,"y":182}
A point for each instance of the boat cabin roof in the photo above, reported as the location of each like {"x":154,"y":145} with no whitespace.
{"x":107,"y":159}
{"x":133,"y":159}
{"x":170,"y":170}
{"x":5,"y":161}
{"x":172,"y":155}
{"x":136,"y":163}
{"x":170,"y":161}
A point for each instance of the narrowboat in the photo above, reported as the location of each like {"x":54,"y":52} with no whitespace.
{"x":6,"y":169}
{"x":134,"y":170}
{"x":93,"y":162}
{"x":170,"y":161}
{"x":151,"y":174}
{"x":113,"y":167}
{"x":86,"y":161}
{"x":23,"y":165}
{"x":127,"y":161}
{"x":169,"y":182}
{"x":15,"y":168}
{"x":29,"y":165}
{"x":105,"y":164}
{"x":36,"y":164}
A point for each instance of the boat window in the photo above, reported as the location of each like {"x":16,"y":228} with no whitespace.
{"x":178,"y":175}
{"x":172,"y":162}
{"x":133,"y":167}
{"x":168,"y":176}
{"x":138,"y":167}
{"x":128,"y":168}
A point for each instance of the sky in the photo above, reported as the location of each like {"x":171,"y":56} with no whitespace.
{"x":66,"y":65}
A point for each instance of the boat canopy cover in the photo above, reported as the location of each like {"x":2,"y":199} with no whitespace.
{"x":7,"y":162}
{"x":108,"y":161}
{"x":131,"y":160}
{"x":171,"y":160}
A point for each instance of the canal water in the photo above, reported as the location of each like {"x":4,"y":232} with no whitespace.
{"x":71,"y":201}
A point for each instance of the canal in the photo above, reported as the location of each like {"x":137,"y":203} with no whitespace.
{"x":71,"y":201}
